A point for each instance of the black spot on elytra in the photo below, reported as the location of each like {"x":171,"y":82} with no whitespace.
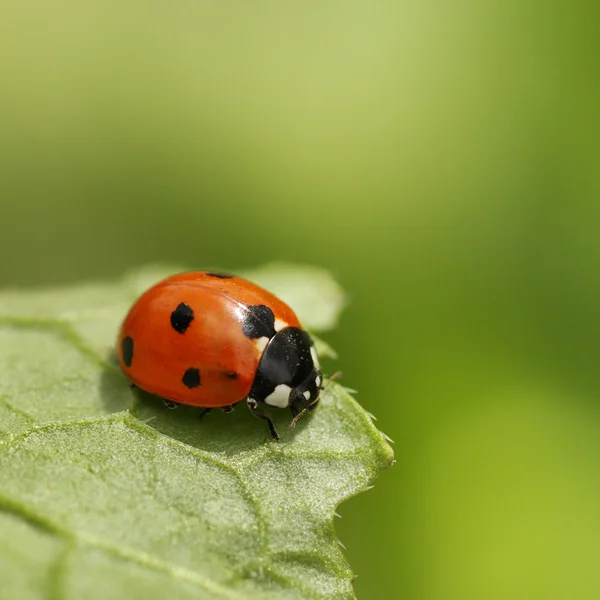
{"x":230,"y":374}
{"x":127,"y":351}
{"x":181,"y":317}
{"x":259,"y":321}
{"x":191,"y":378}
{"x":219,"y":275}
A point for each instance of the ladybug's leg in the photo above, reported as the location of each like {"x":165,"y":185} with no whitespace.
{"x":314,"y":404}
{"x":228,"y":409}
{"x":259,"y":412}
{"x":204,"y":413}
{"x":170,"y":404}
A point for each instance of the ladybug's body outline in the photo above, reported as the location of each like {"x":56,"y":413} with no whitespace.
{"x":213,"y":340}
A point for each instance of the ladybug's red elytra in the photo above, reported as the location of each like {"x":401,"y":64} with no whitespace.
{"x":212,"y":340}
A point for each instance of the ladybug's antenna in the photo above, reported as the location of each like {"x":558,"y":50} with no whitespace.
{"x":299,"y":416}
{"x":335,"y":376}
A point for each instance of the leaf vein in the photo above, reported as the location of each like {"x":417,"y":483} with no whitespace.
{"x":142,"y":559}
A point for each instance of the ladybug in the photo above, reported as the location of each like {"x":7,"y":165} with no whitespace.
{"x":212,"y":340}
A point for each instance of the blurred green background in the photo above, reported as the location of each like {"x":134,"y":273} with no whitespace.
{"x":441,"y":158}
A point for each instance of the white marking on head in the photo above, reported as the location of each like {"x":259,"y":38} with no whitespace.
{"x":307,"y":394}
{"x":279,"y":324}
{"x":280,"y":396}
{"x":318,"y":381}
{"x":313,"y":353}
{"x":261,"y":343}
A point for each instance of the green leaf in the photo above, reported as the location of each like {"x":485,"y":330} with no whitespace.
{"x":106,"y":494}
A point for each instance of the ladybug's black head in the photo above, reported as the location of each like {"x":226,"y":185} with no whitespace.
{"x":307,"y":393}
{"x":288,"y":374}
